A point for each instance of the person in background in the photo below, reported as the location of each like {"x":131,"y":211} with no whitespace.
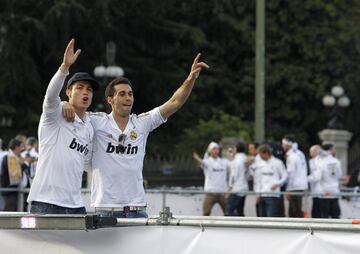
{"x":271,"y":175}
{"x":315,"y":186}
{"x":31,"y":153}
{"x":238,"y":182}
{"x":328,"y":174}
{"x":297,"y":175}
{"x":215,"y":170}
{"x":12,"y":174}
{"x":251,"y":160}
{"x":22,"y":138}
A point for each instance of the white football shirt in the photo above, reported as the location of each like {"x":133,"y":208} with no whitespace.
{"x":63,"y":149}
{"x":297,"y":171}
{"x":328,"y":175}
{"x":215,"y":171}
{"x":270,"y":172}
{"x":238,"y":180}
{"x":118,"y":163}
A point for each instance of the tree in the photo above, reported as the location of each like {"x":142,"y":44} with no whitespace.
{"x":311,"y":45}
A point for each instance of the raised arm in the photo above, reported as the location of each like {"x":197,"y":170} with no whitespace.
{"x":182,"y":93}
{"x":56,"y":83}
{"x":197,"y":158}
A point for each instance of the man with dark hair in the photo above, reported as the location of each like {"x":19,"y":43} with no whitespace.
{"x":238,"y":182}
{"x":65,"y":147}
{"x":251,"y":159}
{"x":270,"y":175}
{"x":252,"y":148}
{"x":12,"y":173}
{"x":110,"y":88}
{"x":120,"y":143}
{"x":30,"y":154}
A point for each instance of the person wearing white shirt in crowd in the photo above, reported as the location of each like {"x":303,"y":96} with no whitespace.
{"x":328,"y":175}
{"x":252,"y":154}
{"x":120,"y":143}
{"x":216,"y":171}
{"x":65,"y":148}
{"x":251,"y":159}
{"x":31,"y":155}
{"x":237,"y":182}
{"x":315,"y":186}
{"x":297,"y":175}
{"x":271,"y":175}
{"x":11,"y":174}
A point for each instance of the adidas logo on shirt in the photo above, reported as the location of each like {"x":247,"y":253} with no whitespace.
{"x":79,"y":147}
{"x":121,"y":149}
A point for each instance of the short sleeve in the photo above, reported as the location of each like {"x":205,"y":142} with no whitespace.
{"x":152,"y":119}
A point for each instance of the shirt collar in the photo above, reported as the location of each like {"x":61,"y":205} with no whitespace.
{"x":114,"y":124}
{"x":79,"y":120}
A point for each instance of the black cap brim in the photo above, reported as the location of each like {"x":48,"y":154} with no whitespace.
{"x":83,"y":76}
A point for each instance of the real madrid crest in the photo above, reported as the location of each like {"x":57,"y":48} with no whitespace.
{"x":133,"y":135}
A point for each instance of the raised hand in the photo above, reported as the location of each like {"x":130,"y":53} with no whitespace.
{"x":196,"y":68}
{"x":69,"y":55}
{"x":180,"y":96}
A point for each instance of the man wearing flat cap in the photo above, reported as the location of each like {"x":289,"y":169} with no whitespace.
{"x":64,"y":147}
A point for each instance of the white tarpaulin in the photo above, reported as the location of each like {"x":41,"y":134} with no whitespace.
{"x":178,"y":239}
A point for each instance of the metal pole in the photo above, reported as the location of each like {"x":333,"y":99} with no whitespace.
{"x":163,"y":199}
{"x":260,"y":72}
{"x":206,"y":221}
{"x":20,"y":200}
{"x":305,"y":194}
{"x":270,"y":219}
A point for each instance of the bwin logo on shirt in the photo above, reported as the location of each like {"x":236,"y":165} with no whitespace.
{"x":79,"y":147}
{"x":121,"y":149}
{"x":218,"y":169}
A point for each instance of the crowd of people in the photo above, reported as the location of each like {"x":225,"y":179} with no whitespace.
{"x":112,"y":148}
{"x":17,"y":169}
{"x":273,"y":175}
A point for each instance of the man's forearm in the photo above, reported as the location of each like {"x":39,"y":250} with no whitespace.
{"x":182,"y":93}
{"x":178,"y":99}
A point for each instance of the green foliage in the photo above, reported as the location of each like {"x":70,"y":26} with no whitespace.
{"x":311,"y":45}
{"x":310,"y":48}
{"x":220,"y":125}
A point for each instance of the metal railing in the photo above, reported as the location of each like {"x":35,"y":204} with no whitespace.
{"x":166,"y":218}
{"x":26,"y":221}
{"x":345,"y":192}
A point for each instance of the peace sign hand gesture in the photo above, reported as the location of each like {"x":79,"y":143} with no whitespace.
{"x":196,"y":68}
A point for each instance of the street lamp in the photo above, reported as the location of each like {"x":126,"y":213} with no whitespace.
{"x":111,"y":70}
{"x":337,"y":99}
{"x":5,"y":122}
